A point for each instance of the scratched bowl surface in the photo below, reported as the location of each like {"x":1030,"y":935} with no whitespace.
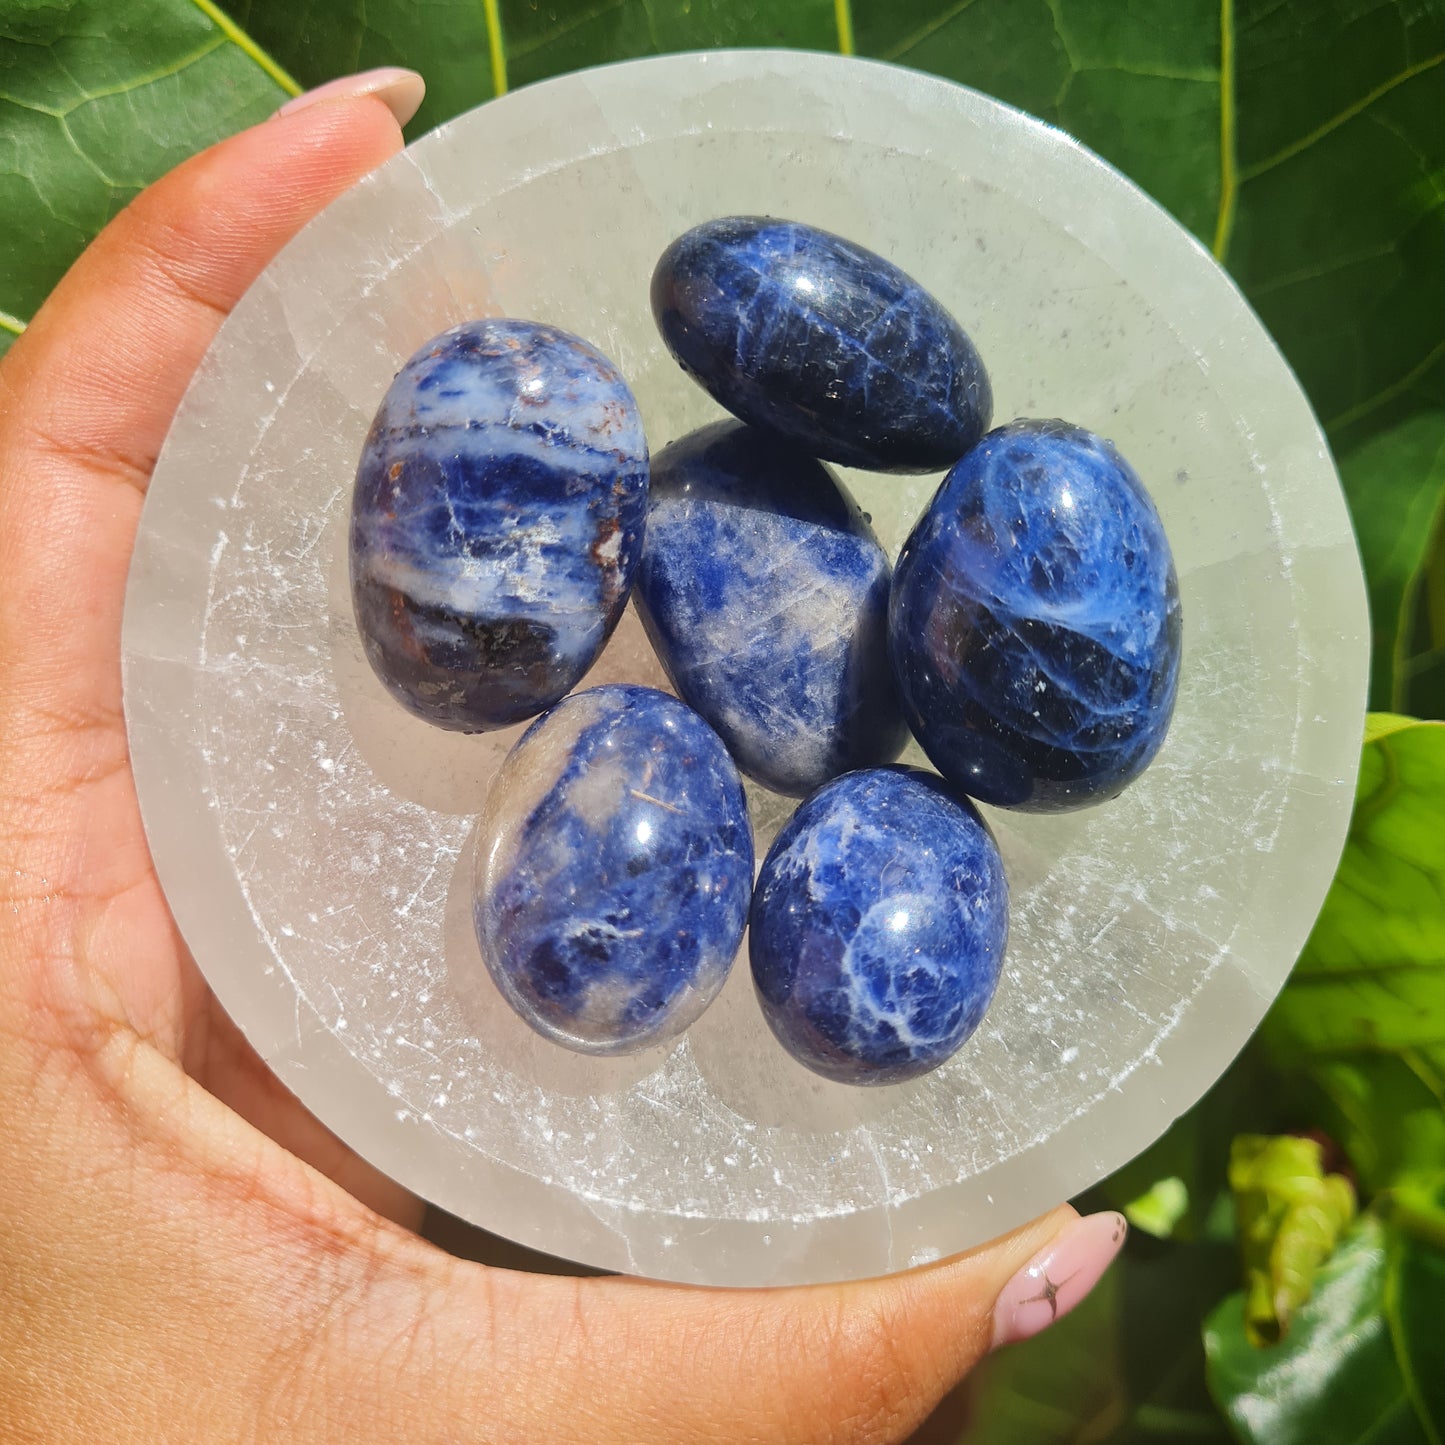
{"x":315,"y":840}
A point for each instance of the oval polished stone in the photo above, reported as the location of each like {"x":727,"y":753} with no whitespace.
{"x":613,"y":871}
{"x":765,"y":593}
{"x":827,"y":344}
{"x":878,"y":927}
{"x":1034,"y":625}
{"x":496,"y":521}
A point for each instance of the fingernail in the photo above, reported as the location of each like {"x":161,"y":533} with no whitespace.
{"x":1057,"y":1277}
{"x":402,"y":91}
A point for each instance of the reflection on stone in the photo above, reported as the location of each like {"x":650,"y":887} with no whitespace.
{"x":496,"y":522}
{"x":1035,"y":625}
{"x":765,"y":593}
{"x":614,"y":868}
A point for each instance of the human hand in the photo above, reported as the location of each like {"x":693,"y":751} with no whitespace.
{"x":185,"y":1253}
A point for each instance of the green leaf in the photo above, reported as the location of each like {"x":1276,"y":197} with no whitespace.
{"x":1414,"y":1290}
{"x":1290,"y":1213}
{"x":1303,"y":140}
{"x":470,"y":50}
{"x":1385,"y":1111}
{"x":1421,"y":686}
{"x":1371,"y":979}
{"x":92,"y":110}
{"x":550,"y":38}
{"x":1395,"y":485}
{"x":1336,"y":1378}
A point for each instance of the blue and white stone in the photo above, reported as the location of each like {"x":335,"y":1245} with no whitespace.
{"x":1034,"y":626}
{"x":878,"y":927}
{"x":496,"y":522}
{"x":613,"y":872}
{"x":823,"y":342}
{"x":765,"y":594}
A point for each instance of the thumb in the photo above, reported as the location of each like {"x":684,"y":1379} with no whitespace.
{"x":625,"y":1360}
{"x":87,"y":394}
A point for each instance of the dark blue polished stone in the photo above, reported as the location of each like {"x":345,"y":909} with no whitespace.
{"x":1034,"y":625}
{"x":496,"y":521}
{"x":827,"y":344}
{"x":765,"y":594}
{"x":878,"y":927}
{"x":614,"y":868}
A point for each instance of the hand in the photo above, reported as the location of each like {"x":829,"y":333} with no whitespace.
{"x":185,"y":1254}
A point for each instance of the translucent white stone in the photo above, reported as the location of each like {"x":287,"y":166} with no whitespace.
{"x":313,"y":838}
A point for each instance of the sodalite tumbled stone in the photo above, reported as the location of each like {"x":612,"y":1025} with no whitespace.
{"x":765,"y":594}
{"x":614,"y":868}
{"x":878,"y":927}
{"x":1034,"y":625}
{"x":827,"y":344}
{"x":496,"y":521}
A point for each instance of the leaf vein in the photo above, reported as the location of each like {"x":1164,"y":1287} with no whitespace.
{"x":912,"y":41}
{"x":141,"y":81}
{"x":1388,"y":393}
{"x":1335,"y":122}
{"x":245,"y":44}
{"x":495,"y":48}
{"x":573,"y":22}
{"x":1228,"y":181}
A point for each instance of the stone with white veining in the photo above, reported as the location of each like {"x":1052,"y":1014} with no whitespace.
{"x":878,"y":927}
{"x":765,"y":593}
{"x":613,"y":872}
{"x":496,"y":521}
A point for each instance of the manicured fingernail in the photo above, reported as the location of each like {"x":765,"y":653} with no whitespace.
{"x":1057,"y":1277}
{"x":400,"y":90}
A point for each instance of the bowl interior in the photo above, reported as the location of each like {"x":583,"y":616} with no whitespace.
{"x":314,"y":839}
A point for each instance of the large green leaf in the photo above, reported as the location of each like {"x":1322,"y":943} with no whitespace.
{"x":1414,"y":1291}
{"x":1395,"y":484}
{"x":1371,"y":979}
{"x":1336,"y":1378}
{"x":1303,"y":140}
{"x":470,"y":50}
{"x":96,"y":100}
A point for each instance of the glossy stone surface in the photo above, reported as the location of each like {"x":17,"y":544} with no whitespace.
{"x":822,"y":341}
{"x":496,"y":521}
{"x":1034,"y":625}
{"x":765,"y":593}
{"x":878,"y":927}
{"x":614,"y":867}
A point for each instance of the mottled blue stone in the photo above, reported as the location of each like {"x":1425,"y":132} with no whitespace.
{"x":1034,"y":625}
{"x":614,"y":869}
{"x":765,"y":593}
{"x":878,"y":927}
{"x":496,"y":521}
{"x":827,"y":344}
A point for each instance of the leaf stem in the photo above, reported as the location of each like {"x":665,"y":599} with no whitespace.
{"x":12,"y":324}
{"x":1228,"y":180}
{"x":239,"y":38}
{"x":495,"y":46}
{"x":843,"y":15}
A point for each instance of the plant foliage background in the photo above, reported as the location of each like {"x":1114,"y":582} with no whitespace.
{"x":1303,"y":141}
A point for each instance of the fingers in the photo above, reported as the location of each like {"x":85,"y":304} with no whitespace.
{"x":88,"y":393}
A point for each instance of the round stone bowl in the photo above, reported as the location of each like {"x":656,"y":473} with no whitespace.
{"x":314,"y":839}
